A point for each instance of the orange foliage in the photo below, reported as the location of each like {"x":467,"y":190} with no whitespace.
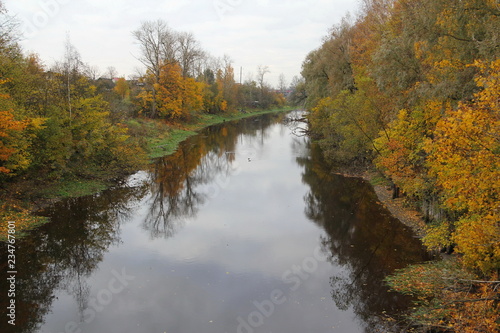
{"x":401,"y":147}
{"x":176,"y":95}
{"x":450,"y":298}
{"x":367,"y":32}
{"x":464,"y":157}
{"x":8,"y":125}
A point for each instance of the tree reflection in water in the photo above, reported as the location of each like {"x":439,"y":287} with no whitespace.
{"x":183,"y":182}
{"x":61,"y":255}
{"x":362,"y":238}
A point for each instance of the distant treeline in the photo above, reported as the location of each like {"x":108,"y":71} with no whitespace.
{"x":68,"y":120}
{"x":413,"y":86}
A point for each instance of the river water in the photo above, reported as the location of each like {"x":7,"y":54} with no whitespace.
{"x":244,"y":229}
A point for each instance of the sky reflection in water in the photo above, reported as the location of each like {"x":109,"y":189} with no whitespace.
{"x":243,"y":229}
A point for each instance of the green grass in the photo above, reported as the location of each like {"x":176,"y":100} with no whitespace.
{"x":162,"y":140}
{"x":161,"y":146}
{"x":72,"y":188}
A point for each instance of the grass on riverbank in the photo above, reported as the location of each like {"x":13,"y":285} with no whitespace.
{"x":72,"y":188}
{"x":156,"y":137}
{"x":161,"y":139}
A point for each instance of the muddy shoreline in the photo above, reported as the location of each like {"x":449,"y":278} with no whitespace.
{"x":397,"y":207}
{"x":409,"y":217}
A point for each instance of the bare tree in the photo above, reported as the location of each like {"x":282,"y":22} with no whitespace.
{"x":157,"y":45}
{"x":151,"y":38}
{"x":170,"y":46}
{"x":261,"y":71}
{"x":282,"y":83}
{"x":8,"y":27}
{"x":189,"y":52}
{"x":70,"y":67}
{"x":111,"y":72}
{"x":92,"y":72}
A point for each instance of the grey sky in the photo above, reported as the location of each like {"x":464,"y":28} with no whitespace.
{"x":277,"y":34}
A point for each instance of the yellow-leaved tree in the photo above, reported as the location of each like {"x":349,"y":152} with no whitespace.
{"x":8,"y":125}
{"x":12,"y":153}
{"x":464,"y":156}
{"x":176,"y":95}
{"x":401,"y":147}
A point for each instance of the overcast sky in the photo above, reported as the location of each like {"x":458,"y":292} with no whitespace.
{"x":277,"y":34}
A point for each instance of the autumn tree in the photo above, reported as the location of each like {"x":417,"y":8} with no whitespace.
{"x":122,"y":88}
{"x":10,"y":130}
{"x":367,"y":33}
{"x":449,"y":298}
{"x":464,"y":157}
{"x":212,"y":97}
{"x":176,"y":96}
{"x":69,"y":129}
{"x":161,"y":46}
{"x":227,"y":85}
{"x":157,"y":43}
{"x":401,"y":149}
{"x":18,"y":94}
{"x":414,"y":84}
{"x":298,"y":93}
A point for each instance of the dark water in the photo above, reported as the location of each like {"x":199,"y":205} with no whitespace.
{"x":244,"y":229}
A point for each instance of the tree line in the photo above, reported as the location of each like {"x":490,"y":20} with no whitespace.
{"x":66,"y":121}
{"x":181,"y":77}
{"x":413,"y":87}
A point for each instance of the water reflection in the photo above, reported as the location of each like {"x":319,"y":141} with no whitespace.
{"x":63,"y":254}
{"x":362,"y":238}
{"x":185,"y":181}
{"x":208,"y":230}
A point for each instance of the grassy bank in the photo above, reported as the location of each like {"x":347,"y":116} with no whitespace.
{"x":156,"y":137}
{"x":163,"y":139}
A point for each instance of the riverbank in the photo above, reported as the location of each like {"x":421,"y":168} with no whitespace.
{"x":19,"y":199}
{"x":407,"y":215}
{"x":167,"y":142}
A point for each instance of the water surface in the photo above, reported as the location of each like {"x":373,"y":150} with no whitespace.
{"x":243,"y":229}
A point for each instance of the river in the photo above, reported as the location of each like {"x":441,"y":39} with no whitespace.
{"x":242,"y":230}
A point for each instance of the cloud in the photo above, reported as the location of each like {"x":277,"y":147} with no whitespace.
{"x":252,"y":33}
